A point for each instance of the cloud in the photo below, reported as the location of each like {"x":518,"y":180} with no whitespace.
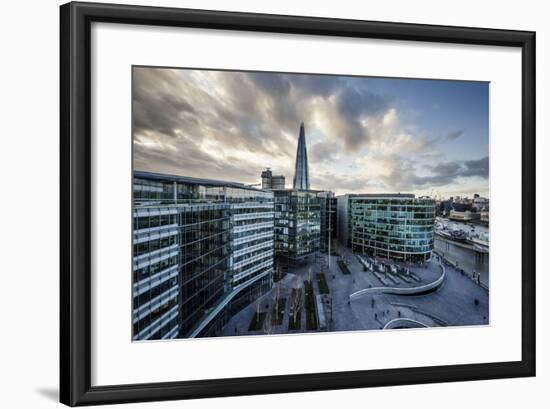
{"x":197,"y":163}
{"x":159,"y":104}
{"x":479,"y":167}
{"x":354,"y":182}
{"x":324,"y":151}
{"x":230,"y":125}
{"x":455,"y":134}
{"x":404,"y":173}
{"x":258,"y":113}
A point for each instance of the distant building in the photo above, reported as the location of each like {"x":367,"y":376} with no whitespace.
{"x":445,"y":207}
{"x":463,"y":216}
{"x":202,"y":250}
{"x":396,"y":226}
{"x":278,"y":182}
{"x":271,"y":182}
{"x":480,"y":203}
{"x":297,"y":215}
{"x":484,"y":217}
{"x":301,"y":170}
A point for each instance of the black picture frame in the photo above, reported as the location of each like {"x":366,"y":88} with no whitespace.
{"x":76,"y":199}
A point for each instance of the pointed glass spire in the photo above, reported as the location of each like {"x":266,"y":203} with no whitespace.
{"x":301,"y":173}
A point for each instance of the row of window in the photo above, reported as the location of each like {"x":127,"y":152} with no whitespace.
{"x":153,"y":315}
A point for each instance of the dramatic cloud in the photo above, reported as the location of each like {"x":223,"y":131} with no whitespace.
{"x":395,"y":172}
{"x":324,"y":152}
{"x":455,"y":134}
{"x":230,"y":125}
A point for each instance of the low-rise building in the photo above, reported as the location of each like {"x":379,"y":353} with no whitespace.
{"x":463,"y":216}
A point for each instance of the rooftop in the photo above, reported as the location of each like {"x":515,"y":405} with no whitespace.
{"x":161,"y":177}
{"x":382,"y":195}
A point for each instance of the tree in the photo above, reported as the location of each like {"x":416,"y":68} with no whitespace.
{"x":268,"y":327}
{"x":258,"y":302}
{"x":295,"y":304}
{"x":277,"y":300}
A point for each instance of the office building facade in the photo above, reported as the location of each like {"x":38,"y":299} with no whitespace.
{"x":271,"y":182}
{"x":297,"y":226}
{"x":394,"y":226}
{"x":328,"y":220}
{"x":202,"y":250}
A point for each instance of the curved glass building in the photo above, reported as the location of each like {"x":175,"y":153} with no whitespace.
{"x":203,"y":249}
{"x":395,"y":226}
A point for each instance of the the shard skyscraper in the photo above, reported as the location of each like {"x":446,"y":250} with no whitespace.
{"x":301,"y":172}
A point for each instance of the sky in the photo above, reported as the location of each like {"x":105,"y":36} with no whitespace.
{"x":363,"y":134}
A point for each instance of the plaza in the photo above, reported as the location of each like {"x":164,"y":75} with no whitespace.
{"x":457,"y":301}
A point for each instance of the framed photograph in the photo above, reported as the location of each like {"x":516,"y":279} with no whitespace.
{"x":259,"y":204}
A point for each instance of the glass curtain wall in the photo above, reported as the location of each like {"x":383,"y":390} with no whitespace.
{"x":398,"y":228}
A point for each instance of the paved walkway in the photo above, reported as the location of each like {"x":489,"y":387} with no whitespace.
{"x":452,"y":304}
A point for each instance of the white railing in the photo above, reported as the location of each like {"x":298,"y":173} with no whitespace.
{"x":156,"y":279}
{"x":145,"y":309}
{"x":252,"y":216}
{"x":223,"y":303}
{"x":252,"y":205}
{"x":396,"y":321}
{"x":249,"y":260}
{"x":152,"y":257}
{"x":154,"y":211}
{"x":155,"y":233}
{"x":252,"y":270}
{"x":252,"y":237}
{"x":157,"y":324}
{"x":402,"y":290}
{"x":252,"y":227}
{"x":251,"y":249}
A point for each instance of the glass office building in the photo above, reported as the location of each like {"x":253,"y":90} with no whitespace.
{"x":396,"y":226}
{"x":202,"y":250}
{"x":297,"y":226}
{"x":328,"y":205}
